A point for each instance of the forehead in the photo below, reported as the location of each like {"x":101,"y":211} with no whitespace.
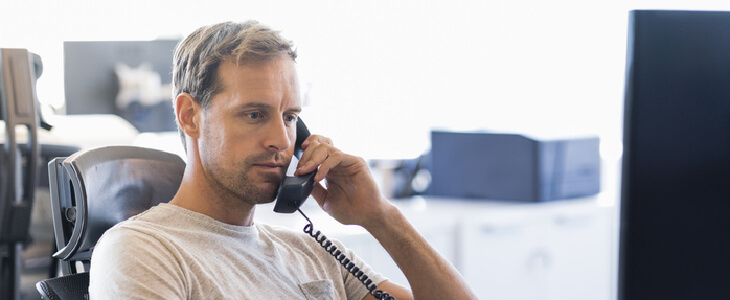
{"x":280,"y":70}
{"x":272,"y":80}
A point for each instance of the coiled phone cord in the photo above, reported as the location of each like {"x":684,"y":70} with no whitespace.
{"x":344,"y":261}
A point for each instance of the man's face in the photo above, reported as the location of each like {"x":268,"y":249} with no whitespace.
{"x":248,"y":130}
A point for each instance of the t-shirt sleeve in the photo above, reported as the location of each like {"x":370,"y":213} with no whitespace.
{"x":123,"y":269}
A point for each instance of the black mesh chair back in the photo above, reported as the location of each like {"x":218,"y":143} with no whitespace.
{"x":93,"y":190}
{"x":69,"y":287}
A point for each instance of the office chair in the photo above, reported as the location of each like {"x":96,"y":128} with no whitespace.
{"x":93,"y":190}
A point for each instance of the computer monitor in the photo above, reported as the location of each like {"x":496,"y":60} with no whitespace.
{"x":674,"y":240}
{"x":131,"y":79}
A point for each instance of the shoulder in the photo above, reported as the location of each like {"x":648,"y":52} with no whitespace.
{"x":125,"y":251}
{"x":127,"y":261}
{"x":163,"y":219}
{"x":124,"y":241}
{"x":121,"y":243}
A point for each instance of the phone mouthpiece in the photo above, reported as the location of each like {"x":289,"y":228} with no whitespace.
{"x":293,"y":192}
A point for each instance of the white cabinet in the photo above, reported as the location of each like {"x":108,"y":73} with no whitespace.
{"x":579,"y":244}
{"x":500,"y":257}
{"x":557,"y":250}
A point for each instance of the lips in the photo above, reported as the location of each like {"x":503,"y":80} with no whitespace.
{"x":269,"y":165}
{"x":272,"y":168}
{"x":270,"y":172}
{"x":277,"y":168}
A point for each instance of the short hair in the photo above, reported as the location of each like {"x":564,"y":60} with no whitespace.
{"x":198,"y":57}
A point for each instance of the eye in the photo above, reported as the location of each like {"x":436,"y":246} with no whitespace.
{"x":290,"y":118}
{"x":255,"y":115}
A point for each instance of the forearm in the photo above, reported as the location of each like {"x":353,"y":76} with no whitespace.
{"x":430,"y":276}
{"x":353,"y":197}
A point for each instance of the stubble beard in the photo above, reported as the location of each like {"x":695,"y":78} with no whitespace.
{"x":239,"y":183}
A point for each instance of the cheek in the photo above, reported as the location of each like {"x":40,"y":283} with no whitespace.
{"x":216,"y":145}
{"x":210,"y":140}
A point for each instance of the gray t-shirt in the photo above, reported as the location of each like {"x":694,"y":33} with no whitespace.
{"x":169,"y":252}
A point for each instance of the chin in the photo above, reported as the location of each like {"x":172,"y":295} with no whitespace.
{"x":267,"y":201}
{"x":269,"y":194}
{"x":261,"y":191}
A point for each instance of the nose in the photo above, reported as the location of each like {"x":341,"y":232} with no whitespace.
{"x":279,"y":137}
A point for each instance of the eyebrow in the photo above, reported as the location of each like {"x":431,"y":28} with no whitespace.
{"x":267,"y":106}
{"x":261,"y":105}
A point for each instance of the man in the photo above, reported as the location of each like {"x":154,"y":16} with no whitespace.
{"x":237,"y":103}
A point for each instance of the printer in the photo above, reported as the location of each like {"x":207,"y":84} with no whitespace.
{"x":505,"y":166}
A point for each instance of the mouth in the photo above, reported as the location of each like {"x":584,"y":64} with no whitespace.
{"x":270,"y":167}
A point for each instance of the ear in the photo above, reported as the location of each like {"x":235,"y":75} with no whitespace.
{"x":188,"y":113}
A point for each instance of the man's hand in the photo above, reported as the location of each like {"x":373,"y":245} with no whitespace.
{"x":351,"y":195}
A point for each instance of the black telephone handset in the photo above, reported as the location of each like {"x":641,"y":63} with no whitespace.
{"x":295,"y":190}
{"x":292,"y":194}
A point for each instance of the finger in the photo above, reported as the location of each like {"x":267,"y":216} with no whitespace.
{"x":332,"y":161}
{"x":312,"y":142}
{"x":317,"y":154}
{"x":307,"y":155}
{"x":316,"y":138}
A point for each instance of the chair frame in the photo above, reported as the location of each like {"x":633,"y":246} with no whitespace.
{"x":19,"y":70}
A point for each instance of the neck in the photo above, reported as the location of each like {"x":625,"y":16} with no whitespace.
{"x":197,"y":196}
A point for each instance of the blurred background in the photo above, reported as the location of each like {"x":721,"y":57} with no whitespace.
{"x":377,"y":77}
{"x":390,"y":71}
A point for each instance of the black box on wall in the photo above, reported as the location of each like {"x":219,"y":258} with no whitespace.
{"x":513,"y":167}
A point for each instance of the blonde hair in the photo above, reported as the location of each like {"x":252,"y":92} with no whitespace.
{"x":198,"y":57}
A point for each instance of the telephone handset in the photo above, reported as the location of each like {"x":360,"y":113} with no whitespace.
{"x":295,"y":190}
{"x":292,"y":194}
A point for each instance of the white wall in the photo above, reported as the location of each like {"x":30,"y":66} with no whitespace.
{"x":381,"y":74}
